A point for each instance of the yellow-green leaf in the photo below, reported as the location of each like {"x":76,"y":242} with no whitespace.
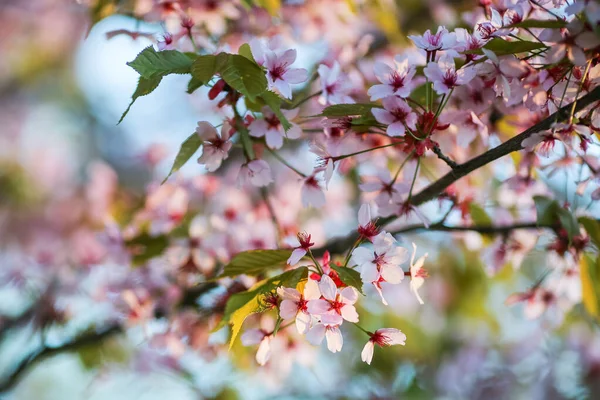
{"x":589,"y":270}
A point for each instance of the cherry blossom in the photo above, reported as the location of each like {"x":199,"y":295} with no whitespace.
{"x":257,"y":336}
{"x":335,"y":340}
{"x":257,"y":172}
{"x":445,"y":77}
{"x":366,"y":226}
{"x":335,"y":86}
{"x":441,"y":40}
{"x":302,"y":245}
{"x":271,"y":129}
{"x":279,"y":74}
{"x":295,"y":304}
{"x":397,"y":114}
{"x":334,"y":307}
{"x":417,"y":273}
{"x":383,"y":337}
{"x":215,"y":146}
{"x":396,"y":81}
{"x":312,"y":193}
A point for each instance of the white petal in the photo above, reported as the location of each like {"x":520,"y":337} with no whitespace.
{"x":316,"y":335}
{"x":334,"y":339}
{"x":303,"y":322}
{"x":327,"y":287}
{"x":367,"y":352}
{"x":349,"y":313}
{"x":264,"y":351}
{"x":296,"y":256}
{"x":288,"y":309}
{"x":311,"y":290}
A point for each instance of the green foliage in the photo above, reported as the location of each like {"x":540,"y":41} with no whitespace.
{"x":145,"y":247}
{"x":590,"y":284}
{"x":246,"y":52}
{"x":349,"y":276}
{"x":145,"y":86}
{"x":149,"y":63}
{"x":110,"y":351}
{"x":204,"y":68}
{"x":549,"y":212}
{"x":592,"y":227}
{"x":502,"y":47}
{"x":186,"y":151}
{"x":243,"y":75}
{"x":344,"y":110}
{"x":255,"y":262}
{"x":241,"y":305}
{"x":479,"y":216}
{"x":274,"y":102}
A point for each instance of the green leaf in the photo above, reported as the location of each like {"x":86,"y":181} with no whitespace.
{"x":255,"y":262}
{"x":186,"y":151}
{"x":546,"y":210}
{"x":589,"y":272}
{"x":145,"y":86}
{"x":246,"y":52}
{"x":204,"y":68}
{"x":274,"y":102}
{"x":502,"y":47}
{"x":145,"y":247}
{"x":149,"y":63}
{"x":349,"y":276}
{"x":344,"y":110}
{"x":538,"y":23}
{"x":479,"y":216}
{"x":241,"y":305}
{"x":243,"y":75}
{"x":592,"y":227}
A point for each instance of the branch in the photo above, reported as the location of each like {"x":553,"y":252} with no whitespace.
{"x":451,"y":163}
{"x":45,"y":352}
{"x":436,"y":188}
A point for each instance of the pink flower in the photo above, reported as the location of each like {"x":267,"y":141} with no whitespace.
{"x":255,"y":336}
{"x":333,"y":334}
{"x":257,"y":172}
{"x":382,"y":337}
{"x":312,"y":193}
{"x":270,"y":127}
{"x":397,"y":114}
{"x":295,"y":304}
{"x":259,"y":48}
{"x":417,"y":273}
{"x":396,"y":81}
{"x":215,"y":147}
{"x":441,"y":40}
{"x":334,"y":307}
{"x":302,"y":244}
{"x":572,"y":43}
{"x":279,"y":73}
{"x":445,"y":77}
{"x":325,"y":160}
{"x":546,"y":140}
{"x":335,"y":85}
{"x":500,"y":70}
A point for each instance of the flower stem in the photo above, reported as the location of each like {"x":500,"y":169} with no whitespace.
{"x":412,"y":185}
{"x":284,"y":162}
{"x":365,"y":151}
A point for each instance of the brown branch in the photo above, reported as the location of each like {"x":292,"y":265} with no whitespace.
{"x":436,"y":188}
{"x":438,"y":152}
{"x":45,"y":352}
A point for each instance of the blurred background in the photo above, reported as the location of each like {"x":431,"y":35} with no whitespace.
{"x":63,"y":86}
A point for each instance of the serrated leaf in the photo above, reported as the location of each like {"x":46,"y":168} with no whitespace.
{"x":589,"y":271}
{"x":186,"y":151}
{"x":503,"y":47}
{"x":149,"y":63}
{"x":255,"y":262}
{"x":145,"y":86}
{"x":243,"y":75}
{"x":479,"y":216}
{"x":349,"y":276}
{"x":274,"y":102}
{"x":538,"y":23}
{"x":145,"y":247}
{"x":204,"y":68}
{"x":246,"y":52}
{"x":345,"y":110}
{"x":241,"y":305}
{"x":193,"y":85}
{"x":592,"y":227}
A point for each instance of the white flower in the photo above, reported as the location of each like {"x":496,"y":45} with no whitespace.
{"x":335,"y":85}
{"x":444,"y":75}
{"x":383,"y":261}
{"x":279,"y":73}
{"x":256,"y":336}
{"x":333,"y":334}
{"x":270,"y":127}
{"x":334,"y":307}
{"x":294,"y":304}
{"x":441,"y":40}
{"x":383,"y":337}
{"x":397,"y":114}
{"x":417,"y":273}
{"x":257,"y":172}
